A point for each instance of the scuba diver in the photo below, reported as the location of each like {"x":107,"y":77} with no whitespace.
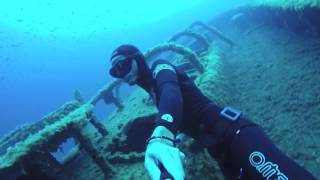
{"x":240,"y":147}
{"x":113,"y":97}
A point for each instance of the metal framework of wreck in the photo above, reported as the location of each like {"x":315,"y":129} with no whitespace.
{"x":213,"y":31}
{"x":189,"y":33}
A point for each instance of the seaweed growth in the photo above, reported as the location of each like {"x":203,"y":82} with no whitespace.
{"x":187,"y":52}
{"x":48,"y":138}
{"x":286,"y":4}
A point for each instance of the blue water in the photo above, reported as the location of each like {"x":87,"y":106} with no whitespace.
{"x":41,"y":66}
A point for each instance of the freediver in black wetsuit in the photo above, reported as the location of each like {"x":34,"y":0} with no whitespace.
{"x":240,"y":147}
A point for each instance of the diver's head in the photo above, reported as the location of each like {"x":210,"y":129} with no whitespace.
{"x":125,"y":63}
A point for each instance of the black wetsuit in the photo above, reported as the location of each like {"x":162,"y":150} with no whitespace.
{"x":240,"y":147}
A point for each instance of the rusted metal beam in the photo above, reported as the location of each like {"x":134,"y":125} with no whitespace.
{"x":96,"y":156}
{"x":214,"y":31}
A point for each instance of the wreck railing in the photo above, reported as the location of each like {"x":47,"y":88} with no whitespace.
{"x":189,"y":33}
{"x":186,"y":52}
{"x":214,"y":31}
{"x":49,"y":139}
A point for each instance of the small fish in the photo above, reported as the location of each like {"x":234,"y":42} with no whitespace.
{"x":54,"y":29}
{"x":15,"y":45}
{"x":19,"y":20}
{"x":236,"y":16}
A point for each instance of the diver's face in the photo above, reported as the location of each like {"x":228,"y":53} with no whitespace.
{"x":120,"y":66}
{"x":132,"y":76}
{"x":124,"y":68}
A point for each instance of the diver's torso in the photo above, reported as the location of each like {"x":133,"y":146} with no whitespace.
{"x":195,"y":105}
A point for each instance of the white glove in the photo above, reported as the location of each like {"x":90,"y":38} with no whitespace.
{"x":162,"y":151}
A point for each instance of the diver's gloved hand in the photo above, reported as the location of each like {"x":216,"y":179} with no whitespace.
{"x":162,"y":151}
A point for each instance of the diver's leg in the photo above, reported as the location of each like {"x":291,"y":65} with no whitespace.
{"x":246,"y":148}
{"x":252,"y":150}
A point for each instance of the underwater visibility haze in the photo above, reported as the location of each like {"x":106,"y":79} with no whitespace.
{"x":50,"y":48}
{"x":64,"y":117}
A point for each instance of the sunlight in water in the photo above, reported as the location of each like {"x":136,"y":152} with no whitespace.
{"x":80,"y":17}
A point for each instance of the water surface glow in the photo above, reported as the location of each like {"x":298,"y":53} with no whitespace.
{"x":80,"y":17}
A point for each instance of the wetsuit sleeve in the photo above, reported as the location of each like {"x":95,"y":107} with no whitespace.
{"x":170,"y":98}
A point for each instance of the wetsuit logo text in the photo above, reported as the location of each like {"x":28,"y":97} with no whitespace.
{"x":267,"y":169}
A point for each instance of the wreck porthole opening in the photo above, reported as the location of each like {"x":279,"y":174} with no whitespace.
{"x":65,"y":150}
